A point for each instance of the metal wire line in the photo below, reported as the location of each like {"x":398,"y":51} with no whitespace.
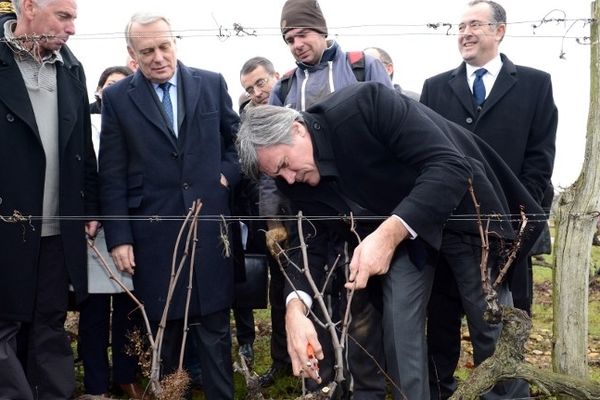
{"x":242,"y":31}
{"x":220,"y":218}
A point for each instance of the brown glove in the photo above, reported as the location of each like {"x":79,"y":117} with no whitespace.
{"x":275,"y":235}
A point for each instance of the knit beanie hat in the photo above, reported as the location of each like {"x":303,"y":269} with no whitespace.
{"x":302,"y":14}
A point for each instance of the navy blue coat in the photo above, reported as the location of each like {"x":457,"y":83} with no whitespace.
{"x":518,"y":119}
{"x":380,"y":153}
{"x":145,"y":171}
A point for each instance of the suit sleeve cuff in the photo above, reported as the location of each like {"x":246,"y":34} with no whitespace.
{"x":413,"y":234}
{"x":299,"y":294}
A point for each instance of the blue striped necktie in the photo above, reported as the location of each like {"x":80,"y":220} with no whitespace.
{"x":166,"y":101}
{"x":479,"y":87}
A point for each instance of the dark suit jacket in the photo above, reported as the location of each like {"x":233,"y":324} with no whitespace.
{"x":146,"y":171}
{"x":518,"y":119}
{"x":22,"y":175}
{"x":381,"y":153}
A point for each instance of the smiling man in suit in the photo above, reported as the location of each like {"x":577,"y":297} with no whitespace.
{"x":167,"y":139}
{"x":510,"y":107}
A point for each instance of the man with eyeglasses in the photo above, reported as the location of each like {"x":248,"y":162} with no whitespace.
{"x":258,"y":76}
{"x":510,"y":107}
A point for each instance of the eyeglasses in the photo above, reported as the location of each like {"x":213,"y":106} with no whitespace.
{"x":474,"y":25}
{"x":260,"y":84}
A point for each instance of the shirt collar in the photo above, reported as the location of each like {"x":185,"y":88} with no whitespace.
{"x":20,"y":51}
{"x":493,"y":67}
{"x":172,"y":81}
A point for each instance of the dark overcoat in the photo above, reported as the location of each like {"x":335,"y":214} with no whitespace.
{"x":518,"y":119}
{"x":380,"y":153}
{"x":22,"y":174}
{"x":146,"y":171}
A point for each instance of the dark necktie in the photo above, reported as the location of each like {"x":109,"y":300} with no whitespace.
{"x":479,"y":87}
{"x":166,"y":102}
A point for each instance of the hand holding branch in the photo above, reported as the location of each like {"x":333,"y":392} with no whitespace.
{"x":374,"y":254}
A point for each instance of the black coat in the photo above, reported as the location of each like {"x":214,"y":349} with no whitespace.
{"x":145,"y":171}
{"x":22,"y":174}
{"x":381,"y":153}
{"x":518,"y":119}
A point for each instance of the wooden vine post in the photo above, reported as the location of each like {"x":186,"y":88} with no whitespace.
{"x":576,"y":217}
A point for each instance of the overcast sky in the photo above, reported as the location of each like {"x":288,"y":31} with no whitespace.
{"x":400,"y":27}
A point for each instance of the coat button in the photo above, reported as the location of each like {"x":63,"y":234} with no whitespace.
{"x":81,"y":192}
{"x":77,"y":157}
{"x":174,"y":155}
{"x":316,"y":125}
{"x":185,"y":186}
{"x":10,"y":117}
{"x":469,"y":120}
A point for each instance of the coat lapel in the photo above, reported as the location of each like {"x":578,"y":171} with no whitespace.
{"x":458,"y":83}
{"x":15,"y":95}
{"x":505,"y":80}
{"x":142,"y":95}
{"x":191,"y":89}
{"x":70,"y":93}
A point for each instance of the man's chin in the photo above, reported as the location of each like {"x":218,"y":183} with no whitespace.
{"x":54,"y":45}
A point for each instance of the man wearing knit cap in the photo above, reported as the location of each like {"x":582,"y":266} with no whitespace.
{"x":323,"y":68}
{"x":321,"y":62}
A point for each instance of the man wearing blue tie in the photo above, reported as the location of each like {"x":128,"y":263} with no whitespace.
{"x":167,"y":139}
{"x":510,"y":107}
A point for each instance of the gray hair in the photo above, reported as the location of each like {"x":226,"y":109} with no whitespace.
{"x":263,"y":126}
{"x":17,"y":5}
{"x":256,"y":62}
{"x":144,"y":19}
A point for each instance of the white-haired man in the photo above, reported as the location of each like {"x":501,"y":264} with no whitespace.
{"x":48,"y":172}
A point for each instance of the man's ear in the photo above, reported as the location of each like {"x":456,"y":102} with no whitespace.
{"x":298,"y":129}
{"x":132,"y":54}
{"x":501,"y":31}
{"x":28,"y":9}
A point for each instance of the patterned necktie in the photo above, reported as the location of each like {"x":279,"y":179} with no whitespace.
{"x":166,"y":101}
{"x":479,"y":87}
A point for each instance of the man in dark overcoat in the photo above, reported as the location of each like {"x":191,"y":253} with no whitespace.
{"x":167,"y":139}
{"x":380,"y":155}
{"x":517,"y":117}
{"x":47,"y":188}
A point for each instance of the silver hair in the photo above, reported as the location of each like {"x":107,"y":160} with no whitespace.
{"x":263,"y":126}
{"x":144,"y":19}
{"x":17,"y":5}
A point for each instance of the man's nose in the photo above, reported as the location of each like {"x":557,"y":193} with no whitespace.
{"x":257,"y":92}
{"x":158,"y":56}
{"x":289,"y":176}
{"x":70,"y":28}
